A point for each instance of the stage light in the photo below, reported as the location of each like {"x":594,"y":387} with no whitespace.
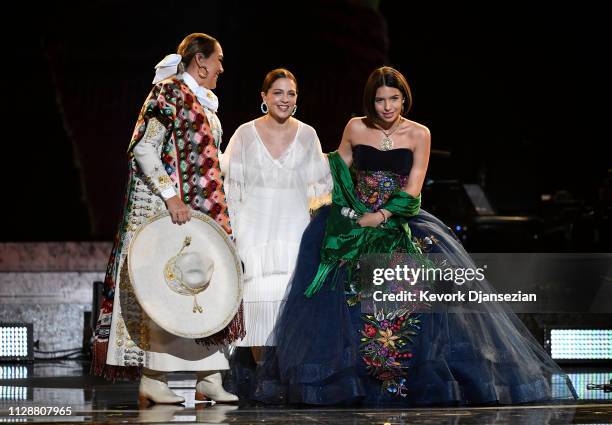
{"x":583,"y":381}
{"x":14,"y":372}
{"x":580,"y":345}
{"x":16,"y":342}
{"x":13,"y":393}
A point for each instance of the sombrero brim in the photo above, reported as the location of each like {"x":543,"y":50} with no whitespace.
{"x":158,"y":240}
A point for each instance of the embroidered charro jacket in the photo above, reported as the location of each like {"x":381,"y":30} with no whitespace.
{"x":174,"y":150}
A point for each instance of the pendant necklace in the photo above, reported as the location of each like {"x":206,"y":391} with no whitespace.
{"x":386,"y":144}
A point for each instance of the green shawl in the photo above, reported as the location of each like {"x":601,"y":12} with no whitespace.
{"x":346,"y":241}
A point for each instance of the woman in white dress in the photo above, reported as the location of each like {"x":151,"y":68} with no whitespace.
{"x":275,"y":172}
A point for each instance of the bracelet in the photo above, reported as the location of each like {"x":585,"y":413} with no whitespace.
{"x":384,"y":216}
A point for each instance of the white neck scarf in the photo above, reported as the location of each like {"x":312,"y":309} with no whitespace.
{"x":205,"y":96}
{"x":168,"y":67}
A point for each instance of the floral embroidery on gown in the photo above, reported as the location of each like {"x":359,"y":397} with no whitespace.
{"x":330,"y":352}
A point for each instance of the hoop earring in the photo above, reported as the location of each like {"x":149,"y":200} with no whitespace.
{"x":200,"y":74}
{"x":264,"y":108}
{"x":294,"y":110}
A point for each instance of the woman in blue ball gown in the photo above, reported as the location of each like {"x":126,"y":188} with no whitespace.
{"x":328,"y":351}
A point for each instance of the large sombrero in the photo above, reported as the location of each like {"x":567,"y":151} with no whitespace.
{"x":188,"y":278}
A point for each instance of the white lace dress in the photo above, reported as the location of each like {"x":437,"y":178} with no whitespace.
{"x":269,"y":200}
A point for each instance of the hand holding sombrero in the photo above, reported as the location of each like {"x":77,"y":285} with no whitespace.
{"x":188,"y":279}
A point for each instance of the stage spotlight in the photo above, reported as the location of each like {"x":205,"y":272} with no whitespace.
{"x":13,"y":393}
{"x":16,"y":342}
{"x":573,"y":345}
{"x":588,"y":385}
{"x":15,"y":371}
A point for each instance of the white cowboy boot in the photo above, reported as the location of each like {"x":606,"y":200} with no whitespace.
{"x":210,"y":387}
{"x":153,"y":387}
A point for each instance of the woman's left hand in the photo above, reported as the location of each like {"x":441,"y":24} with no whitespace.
{"x":370,"y":219}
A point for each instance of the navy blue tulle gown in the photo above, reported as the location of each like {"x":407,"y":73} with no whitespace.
{"x":324,"y":345}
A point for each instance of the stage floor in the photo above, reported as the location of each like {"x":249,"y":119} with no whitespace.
{"x":23,"y":388}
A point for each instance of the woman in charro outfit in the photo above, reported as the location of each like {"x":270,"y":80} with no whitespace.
{"x":275,"y":172}
{"x":329,"y":351}
{"x":174,"y":166}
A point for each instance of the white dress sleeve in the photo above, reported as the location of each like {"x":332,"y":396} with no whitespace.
{"x":234,"y":169}
{"x":319,"y":183}
{"x":147,"y":156}
{"x":232,"y":166}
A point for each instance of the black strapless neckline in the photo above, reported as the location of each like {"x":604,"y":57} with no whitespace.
{"x":369,"y":158}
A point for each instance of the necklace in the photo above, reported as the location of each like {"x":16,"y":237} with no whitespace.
{"x":386,"y":144}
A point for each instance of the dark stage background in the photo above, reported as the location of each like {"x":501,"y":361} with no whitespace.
{"x":518,"y":96}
